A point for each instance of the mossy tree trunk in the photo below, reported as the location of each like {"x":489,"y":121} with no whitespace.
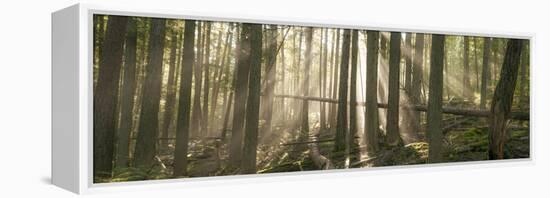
{"x":502,"y":99}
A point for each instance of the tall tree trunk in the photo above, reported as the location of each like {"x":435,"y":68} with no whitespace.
{"x":148,"y":129}
{"x":305,"y":85}
{"x":298,"y":86}
{"x":220,"y":78}
{"x":466,"y":89}
{"x":226,"y":116}
{"x":350,"y":138}
{"x":371,"y":115}
{"x":485,"y":72}
{"x":253,"y":102}
{"x":283,"y":108}
{"x":342,"y":120}
{"x":169,"y":104}
{"x":323,"y":80}
{"x":184,"y":107}
{"x":523,"y":98}
{"x":105,"y":96}
{"x":435,"y":99}
{"x":196,"y":116}
{"x":408,"y":63}
{"x":320,"y":78}
{"x":503,"y":99}
{"x":476,"y":65}
{"x":392,"y":119}
{"x":417,"y":80}
{"x":271,"y":72}
{"x":204,"y":119}
{"x":335,"y":79}
{"x":241,"y":84}
{"x":128,"y":93}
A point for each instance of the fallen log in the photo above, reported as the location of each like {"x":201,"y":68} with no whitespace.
{"x":447,"y":110}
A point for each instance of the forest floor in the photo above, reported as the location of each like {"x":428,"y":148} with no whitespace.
{"x":465,"y":139}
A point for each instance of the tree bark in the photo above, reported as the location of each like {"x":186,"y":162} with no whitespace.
{"x":170,"y":90}
{"x":341,"y":121}
{"x":523,"y":98}
{"x":271,"y":72}
{"x":105,"y":96}
{"x":335,"y":80}
{"x":305,"y":85}
{"x":371,"y":117}
{"x":485,"y":72}
{"x":248,"y":165}
{"x":128,"y":93}
{"x":323,"y":80}
{"x":184,"y":107}
{"x":353,"y":131}
{"x":241,"y":84}
{"x":148,"y":129}
{"x":503,"y":99}
{"x":417,"y":80}
{"x":220,"y":77}
{"x":435,"y":100}
{"x":466,"y":88}
{"x":204,"y":119}
{"x":392,"y":124}
{"x":408,"y":63}
{"x":196,"y":112}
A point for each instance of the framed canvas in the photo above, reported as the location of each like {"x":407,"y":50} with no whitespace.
{"x":173,"y":98}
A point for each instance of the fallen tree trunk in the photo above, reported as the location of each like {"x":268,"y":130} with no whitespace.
{"x":447,"y":110}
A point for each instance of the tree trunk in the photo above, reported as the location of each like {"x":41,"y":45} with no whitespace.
{"x":226,"y":116}
{"x":196,"y":113}
{"x":105,"y":96}
{"x":335,"y":80}
{"x":220,"y":77}
{"x":170,"y":90}
{"x":128,"y":93}
{"x":148,"y":129}
{"x":253,"y":101}
{"x":523,"y":98}
{"x":392,"y":124}
{"x":408,"y":63}
{"x":485,"y":72}
{"x":271,"y":72}
{"x":417,"y":80}
{"x":341,"y":121}
{"x":353,"y":131}
{"x":435,"y":100}
{"x":466,"y":89}
{"x":503,"y":99}
{"x":204,"y":119}
{"x":241,"y":84}
{"x":305,"y":85}
{"x":371,"y":115}
{"x":184,"y":107}
{"x":323,"y":80}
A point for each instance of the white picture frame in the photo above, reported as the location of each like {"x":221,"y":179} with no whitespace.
{"x":72,"y":87}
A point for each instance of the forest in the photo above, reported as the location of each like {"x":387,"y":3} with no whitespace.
{"x":176,"y":98}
